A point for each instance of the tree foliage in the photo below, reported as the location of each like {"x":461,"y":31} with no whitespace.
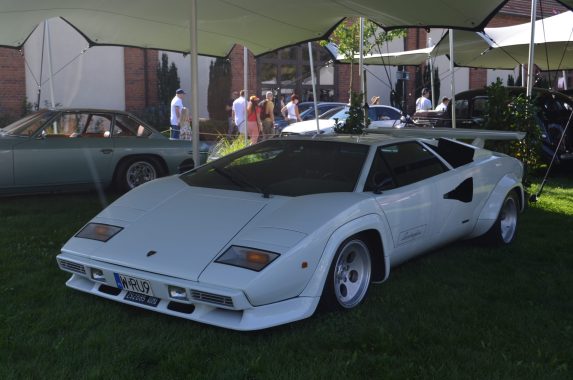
{"x":167,"y":80}
{"x":219,"y":88}
{"x":346,"y":37}
{"x":356,"y":121}
{"x":508,"y":113}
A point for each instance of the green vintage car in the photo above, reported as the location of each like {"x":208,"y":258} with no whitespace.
{"x":71,"y":149}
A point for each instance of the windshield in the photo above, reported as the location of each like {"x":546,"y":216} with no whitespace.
{"x":285,"y":167}
{"x":340,"y":114}
{"x":29,"y":125}
{"x":335,"y":111}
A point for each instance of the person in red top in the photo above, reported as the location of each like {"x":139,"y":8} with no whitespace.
{"x":254,"y":125}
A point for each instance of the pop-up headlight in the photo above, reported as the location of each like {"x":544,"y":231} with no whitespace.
{"x":98,"y":231}
{"x":248,"y":258}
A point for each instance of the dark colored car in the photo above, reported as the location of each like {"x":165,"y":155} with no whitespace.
{"x":554,"y":111}
{"x":306,"y":110}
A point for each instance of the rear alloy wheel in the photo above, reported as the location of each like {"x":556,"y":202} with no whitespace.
{"x":137,"y":171}
{"x":504,"y":229}
{"x":349,"y":277}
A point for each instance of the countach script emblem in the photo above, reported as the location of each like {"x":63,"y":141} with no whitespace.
{"x":151,"y":253}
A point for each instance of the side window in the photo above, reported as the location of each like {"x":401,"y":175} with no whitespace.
{"x":379,"y":178}
{"x":66,"y":125}
{"x":462,"y":111}
{"x":97,"y":125}
{"x":125,"y":126}
{"x":372,"y":114}
{"x":479,"y":108}
{"x":411,"y":162}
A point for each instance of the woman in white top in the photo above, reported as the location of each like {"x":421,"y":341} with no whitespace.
{"x":290,"y":111}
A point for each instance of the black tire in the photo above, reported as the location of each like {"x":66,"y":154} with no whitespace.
{"x":349,"y":275}
{"x":135,"y":171}
{"x":504,"y":229}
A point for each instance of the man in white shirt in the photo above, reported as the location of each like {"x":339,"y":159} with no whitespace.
{"x":239,"y":112}
{"x":176,"y":107}
{"x":443,"y":106}
{"x":423,"y":103}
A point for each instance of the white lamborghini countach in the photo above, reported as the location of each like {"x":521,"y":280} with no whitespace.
{"x":264,"y":236}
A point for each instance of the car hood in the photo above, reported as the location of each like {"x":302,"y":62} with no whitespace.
{"x":309,"y":126}
{"x":187,"y":229}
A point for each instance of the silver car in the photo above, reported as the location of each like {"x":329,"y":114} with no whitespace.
{"x":70,"y":149}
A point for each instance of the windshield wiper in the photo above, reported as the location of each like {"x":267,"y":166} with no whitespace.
{"x":240,"y":181}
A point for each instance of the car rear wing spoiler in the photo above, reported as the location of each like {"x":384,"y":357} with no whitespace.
{"x":479,"y":136}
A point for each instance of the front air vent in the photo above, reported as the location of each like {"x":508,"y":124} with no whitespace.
{"x":212,"y":298}
{"x":73,"y":267}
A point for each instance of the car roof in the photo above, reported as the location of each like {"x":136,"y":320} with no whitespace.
{"x":511,"y":89}
{"x":365,"y":139}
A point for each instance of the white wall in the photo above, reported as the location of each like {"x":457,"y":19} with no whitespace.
{"x":382,"y":79}
{"x":183,"y":64}
{"x":92,"y":79}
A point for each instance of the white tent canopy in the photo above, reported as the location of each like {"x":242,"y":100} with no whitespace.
{"x":497,"y":48}
{"x":256,"y":24}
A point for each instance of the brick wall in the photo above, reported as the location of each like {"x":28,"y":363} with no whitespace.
{"x":237,"y":76}
{"x":416,"y":39}
{"x":343,"y":83}
{"x":477,"y":78}
{"x":12,"y":83}
{"x":140,"y":67}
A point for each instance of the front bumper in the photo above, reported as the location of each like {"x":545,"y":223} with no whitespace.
{"x":228,"y":308}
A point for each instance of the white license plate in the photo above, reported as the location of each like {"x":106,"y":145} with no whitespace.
{"x":133,"y":284}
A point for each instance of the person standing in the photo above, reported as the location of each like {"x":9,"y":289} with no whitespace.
{"x":254,"y":125}
{"x":423,"y":103}
{"x":231,"y":119}
{"x":267,"y":107}
{"x":290,"y":111}
{"x":239,"y":112}
{"x":185,"y":125}
{"x":443,"y":106}
{"x":176,"y":107}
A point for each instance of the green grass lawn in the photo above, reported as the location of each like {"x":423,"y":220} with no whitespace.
{"x":462,"y":312}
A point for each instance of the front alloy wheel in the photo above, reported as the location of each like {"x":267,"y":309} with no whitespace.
{"x":349,"y":276}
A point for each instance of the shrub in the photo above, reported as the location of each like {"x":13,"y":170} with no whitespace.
{"x":507,"y":113}
{"x":227,"y":146}
{"x":355,"y":122}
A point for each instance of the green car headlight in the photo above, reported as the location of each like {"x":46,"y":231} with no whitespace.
{"x":248,"y":258}
{"x":99,"y":231}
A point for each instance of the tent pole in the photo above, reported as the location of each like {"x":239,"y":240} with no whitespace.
{"x":434,"y":100}
{"x":452,"y":80}
{"x":246,"y":87}
{"x":530,"y":68}
{"x":50,"y":66}
{"x":194,"y":83}
{"x":314,"y":98}
{"x":361,"y":58}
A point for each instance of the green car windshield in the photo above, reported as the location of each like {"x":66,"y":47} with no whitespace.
{"x":29,"y":125}
{"x":285,"y":167}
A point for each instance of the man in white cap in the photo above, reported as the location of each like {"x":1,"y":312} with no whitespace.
{"x":176,"y":107}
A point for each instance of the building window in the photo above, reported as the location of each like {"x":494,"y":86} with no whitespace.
{"x":288,"y":71}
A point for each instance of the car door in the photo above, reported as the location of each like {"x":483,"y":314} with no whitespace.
{"x":402,"y":181}
{"x":73,"y":148}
